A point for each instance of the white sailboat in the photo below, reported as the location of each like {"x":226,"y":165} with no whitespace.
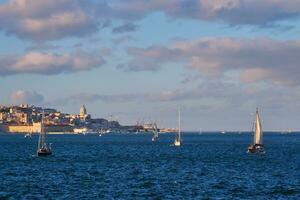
{"x":155,"y":132}
{"x":257,"y":146}
{"x":178,"y":141}
{"x":44,"y":149}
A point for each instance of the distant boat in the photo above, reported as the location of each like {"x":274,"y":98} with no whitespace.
{"x":289,"y":131}
{"x":257,"y":146}
{"x":155,"y":132}
{"x":178,"y":141}
{"x":28,"y":135}
{"x":101,"y":132}
{"x":84,"y":131}
{"x":44,"y":149}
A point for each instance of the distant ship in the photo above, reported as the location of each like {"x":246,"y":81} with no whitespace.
{"x":84,"y":131}
{"x":289,"y":131}
{"x":167,"y":130}
{"x":257,"y":146}
{"x":44,"y":149}
{"x":178,"y":141}
{"x":80,"y":130}
{"x":103,"y":131}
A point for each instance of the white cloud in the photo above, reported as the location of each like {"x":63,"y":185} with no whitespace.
{"x":22,"y":96}
{"x":55,"y":19}
{"x":256,"y":59}
{"x":46,"y":63}
{"x":46,"y":20}
{"x":234,"y":12}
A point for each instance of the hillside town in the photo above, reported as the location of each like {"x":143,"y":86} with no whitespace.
{"x":27,"y":119}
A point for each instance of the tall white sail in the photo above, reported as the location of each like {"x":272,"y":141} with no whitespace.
{"x":42,"y":134}
{"x":177,"y":141}
{"x":258,"y":135}
{"x":155,"y":132}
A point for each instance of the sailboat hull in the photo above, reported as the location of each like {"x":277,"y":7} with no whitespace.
{"x":44,"y":152}
{"x":177,"y":143}
{"x":256,"y":148}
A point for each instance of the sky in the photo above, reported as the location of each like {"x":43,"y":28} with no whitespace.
{"x":140,"y":60}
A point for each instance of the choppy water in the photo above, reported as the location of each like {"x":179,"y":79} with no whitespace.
{"x":208,"y":166}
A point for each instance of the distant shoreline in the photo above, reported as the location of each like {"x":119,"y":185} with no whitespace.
{"x":150,"y":133}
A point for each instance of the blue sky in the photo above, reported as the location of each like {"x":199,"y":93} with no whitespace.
{"x":140,"y":60}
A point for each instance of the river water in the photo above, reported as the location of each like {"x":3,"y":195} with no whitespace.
{"x":207,"y":166}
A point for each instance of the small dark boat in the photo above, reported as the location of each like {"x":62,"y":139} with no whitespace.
{"x":257,"y":146}
{"x":44,"y":152}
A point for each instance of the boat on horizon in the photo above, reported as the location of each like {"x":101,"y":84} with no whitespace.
{"x":289,"y":131}
{"x":200,"y":132}
{"x":44,"y":149}
{"x":178,"y":141}
{"x":84,"y":131}
{"x":101,"y":132}
{"x":257,"y":146}
{"x":28,"y":135}
{"x":155,"y":132}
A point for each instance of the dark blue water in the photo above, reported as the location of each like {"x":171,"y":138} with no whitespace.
{"x":208,"y":166}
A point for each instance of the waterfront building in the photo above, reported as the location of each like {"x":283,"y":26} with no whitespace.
{"x":83,"y":114}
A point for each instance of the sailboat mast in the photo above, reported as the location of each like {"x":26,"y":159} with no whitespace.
{"x":179,"y":125}
{"x":42,"y":133}
{"x":155,"y":130}
{"x":254,"y":127}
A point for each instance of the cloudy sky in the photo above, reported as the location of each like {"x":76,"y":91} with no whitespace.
{"x":142,"y":59}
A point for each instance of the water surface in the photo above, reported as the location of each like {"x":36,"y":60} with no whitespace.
{"x":207,"y":166}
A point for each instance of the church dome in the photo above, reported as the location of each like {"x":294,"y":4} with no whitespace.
{"x":83,"y":111}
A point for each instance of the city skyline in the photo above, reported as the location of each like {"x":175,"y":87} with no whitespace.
{"x":138,"y":60}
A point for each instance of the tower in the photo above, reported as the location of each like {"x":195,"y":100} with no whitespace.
{"x":82,"y":111}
